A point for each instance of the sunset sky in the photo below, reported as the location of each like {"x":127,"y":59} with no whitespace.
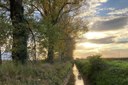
{"x":108,"y":29}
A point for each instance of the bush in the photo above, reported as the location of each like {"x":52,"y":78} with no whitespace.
{"x":103,"y":72}
{"x":96,"y":63}
{"x":96,"y":66}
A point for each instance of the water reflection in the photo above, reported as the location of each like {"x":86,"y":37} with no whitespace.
{"x":78,"y":78}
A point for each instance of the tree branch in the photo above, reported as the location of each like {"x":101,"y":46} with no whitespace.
{"x":37,"y":9}
{"x":61,"y":9}
{"x":5,"y":7}
{"x":65,"y":12}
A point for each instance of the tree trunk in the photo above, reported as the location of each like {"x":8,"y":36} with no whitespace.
{"x":20,"y":36}
{"x":50,"y":52}
{"x":0,"y":56}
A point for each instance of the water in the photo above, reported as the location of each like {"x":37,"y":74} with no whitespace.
{"x":78,"y":78}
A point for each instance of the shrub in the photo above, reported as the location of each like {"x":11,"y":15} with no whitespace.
{"x":104,"y":72}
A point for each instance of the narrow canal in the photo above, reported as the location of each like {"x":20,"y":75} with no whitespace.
{"x":78,"y":78}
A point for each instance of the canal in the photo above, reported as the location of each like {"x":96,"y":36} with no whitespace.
{"x":78,"y":77}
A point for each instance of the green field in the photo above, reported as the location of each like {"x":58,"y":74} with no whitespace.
{"x":104,"y":72}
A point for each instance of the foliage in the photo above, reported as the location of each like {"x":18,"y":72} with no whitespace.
{"x":54,"y":29}
{"x":72,"y":79}
{"x":104,"y":72}
{"x":57,"y":26}
{"x":5,"y":30}
{"x":34,"y":74}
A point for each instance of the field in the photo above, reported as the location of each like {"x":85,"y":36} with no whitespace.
{"x":104,"y":72}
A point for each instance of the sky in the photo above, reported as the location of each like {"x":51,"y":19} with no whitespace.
{"x":108,"y":29}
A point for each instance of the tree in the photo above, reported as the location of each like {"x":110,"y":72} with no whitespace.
{"x":20,"y":31}
{"x":52,"y":11}
{"x":70,"y":29}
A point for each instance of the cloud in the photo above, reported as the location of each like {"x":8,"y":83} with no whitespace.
{"x":102,"y":0}
{"x":117,"y":53}
{"x":108,"y":25}
{"x":107,"y":50}
{"x":114,"y":24}
{"x":108,"y":9}
{"x":81,"y":48}
{"x":119,"y":12}
{"x":90,"y":7}
{"x":94,"y":35}
{"x":122,"y":40}
{"x":107,"y":40}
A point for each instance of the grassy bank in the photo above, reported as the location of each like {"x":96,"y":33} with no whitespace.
{"x":104,"y":72}
{"x":34,"y":74}
{"x":72,"y":79}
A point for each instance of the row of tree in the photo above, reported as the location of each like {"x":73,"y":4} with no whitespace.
{"x":52,"y":34}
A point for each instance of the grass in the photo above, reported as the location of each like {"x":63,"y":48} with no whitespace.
{"x":34,"y":74}
{"x":104,"y":72}
{"x":72,"y":79}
